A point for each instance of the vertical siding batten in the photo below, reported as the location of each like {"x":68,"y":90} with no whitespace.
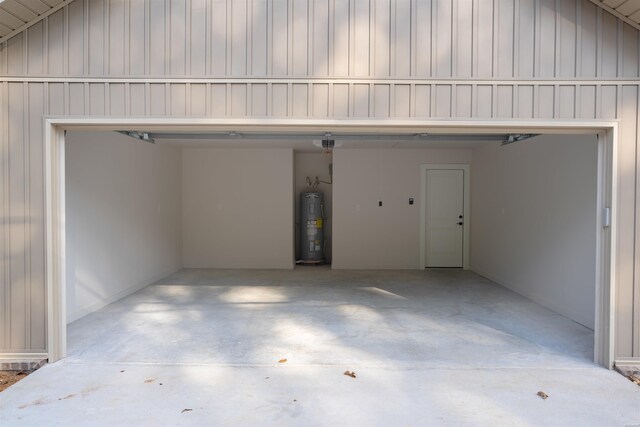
{"x":455,"y":40}
{"x":106,"y":37}
{"x":515,"y":106}
{"x":289,"y":58}
{"x":515,"y":46}
{"x":55,"y":46}
{"x":127,"y":99}
{"x":578,"y":110}
{"x":636,"y":269}
{"x":37,"y":214}
{"x":166,"y":66}
{"x":557,"y":62}
{"x":207,"y":41}
{"x":619,"y":47}
{"x":599,"y":42}
{"x":27,"y":217}
{"x":474,"y":39}
{"x":6,"y":247}
{"x":147,"y":41}
{"x":589,"y":49}
{"x":188,"y":41}
{"x":371,"y":57}
{"x":85,"y":38}
{"x":35,"y":49}
{"x":331,"y":31}
{"x":413,"y":44}
{"x":495,"y":41}
{"x":537,"y":28}
{"x":17,"y":218}
{"x":65,"y":44}
{"x":578,"y":46}
{"x":351,"y":28}
{"x":126,"y":45}
{"x":167,"y":99}
{"x":311,"y":46}
{"x":25,"y":48}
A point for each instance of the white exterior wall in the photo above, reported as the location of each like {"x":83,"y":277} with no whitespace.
{"x":420,"y":59}
{"x":534,"y":227}
{"x":123,"y":217}
{"x":237,"y":208}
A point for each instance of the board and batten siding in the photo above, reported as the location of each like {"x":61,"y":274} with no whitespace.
{"x":421,"y":59}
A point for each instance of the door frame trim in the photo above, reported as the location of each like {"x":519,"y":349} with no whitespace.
{"x":466,"y":168}
{"x":607,"y":131}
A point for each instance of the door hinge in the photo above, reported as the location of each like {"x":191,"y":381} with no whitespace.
{"x":606,"y":217}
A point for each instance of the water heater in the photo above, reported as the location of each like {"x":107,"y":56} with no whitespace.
{"x":312,"y":227}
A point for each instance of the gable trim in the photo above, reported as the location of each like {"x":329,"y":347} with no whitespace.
{"x":35,"y":21}
{"x":616,"y":14}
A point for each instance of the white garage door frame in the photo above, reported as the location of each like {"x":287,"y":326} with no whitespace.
{"x":54,"y":135}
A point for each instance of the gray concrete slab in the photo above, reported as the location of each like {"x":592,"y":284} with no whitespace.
{"x":443,"y":347}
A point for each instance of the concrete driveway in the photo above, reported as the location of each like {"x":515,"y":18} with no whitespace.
{"x":203,"y":347}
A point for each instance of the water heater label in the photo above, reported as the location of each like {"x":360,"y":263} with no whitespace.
{"x":311,"y":228}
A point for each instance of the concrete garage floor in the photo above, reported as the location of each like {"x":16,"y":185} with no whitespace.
{"x":441,"y":347}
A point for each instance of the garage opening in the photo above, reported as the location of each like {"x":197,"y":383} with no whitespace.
{"x":186,"y":249}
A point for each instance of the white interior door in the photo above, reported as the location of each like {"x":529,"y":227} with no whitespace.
{"x":444,"y":218}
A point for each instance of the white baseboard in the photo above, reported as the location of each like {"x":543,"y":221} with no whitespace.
{"x":78,"y":314}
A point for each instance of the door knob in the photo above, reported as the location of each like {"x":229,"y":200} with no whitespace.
{"x":460,"y":216}
{"x":460,"y":223}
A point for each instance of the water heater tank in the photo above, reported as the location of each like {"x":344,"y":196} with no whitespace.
{"x":312,"y":227}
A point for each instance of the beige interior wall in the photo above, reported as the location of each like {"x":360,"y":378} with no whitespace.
{"x":365,"y":235}
{"x":312,"y":165}
{"x":123,"y":217}
{"x":533,"y":220}
{"x":237,"y":208}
